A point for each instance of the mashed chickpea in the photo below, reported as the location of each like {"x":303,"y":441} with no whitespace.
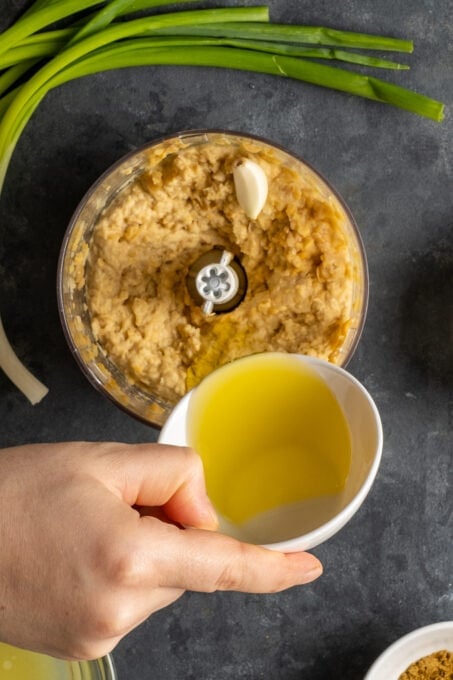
{"x":296,"y":255}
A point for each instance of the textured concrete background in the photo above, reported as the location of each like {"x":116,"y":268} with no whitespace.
{"x":390,"y":570}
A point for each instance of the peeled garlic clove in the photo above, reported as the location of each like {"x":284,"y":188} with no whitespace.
{"x":250,"y":183}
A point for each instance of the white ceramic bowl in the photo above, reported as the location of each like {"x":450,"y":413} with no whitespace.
{"x":413,"y":646}
{"x":290,"y":530}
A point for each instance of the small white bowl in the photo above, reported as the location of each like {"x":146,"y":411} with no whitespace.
{"x":413,"y":646}
{"x":289,"y":529}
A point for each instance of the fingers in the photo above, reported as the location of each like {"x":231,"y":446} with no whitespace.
{"x":170,"y":477}
{"x":207,"y":561}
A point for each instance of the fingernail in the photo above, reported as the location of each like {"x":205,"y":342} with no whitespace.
{"x":313,"y":573}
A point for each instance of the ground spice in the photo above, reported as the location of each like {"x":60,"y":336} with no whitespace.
{"x":435,"y":666}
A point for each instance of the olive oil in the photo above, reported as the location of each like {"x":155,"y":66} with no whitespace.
{"x":20,"y":664}
{"x":270,"y":433}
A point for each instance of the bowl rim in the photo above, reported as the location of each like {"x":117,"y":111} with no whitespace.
{"x":186,"y":135}
{"x":405,"y":641}
{"x":109,"y":666}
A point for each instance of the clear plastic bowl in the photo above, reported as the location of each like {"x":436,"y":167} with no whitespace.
{"x":98,"y":367}
{"x":15,"y":662}
{"x":100,"y":669}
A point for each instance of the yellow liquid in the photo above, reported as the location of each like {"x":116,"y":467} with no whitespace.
{"x":20,"y":664}
{"x":270,"y":433}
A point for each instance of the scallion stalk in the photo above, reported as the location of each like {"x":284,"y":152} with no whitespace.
{"x":101,"y":19}
{"x":30,"y":386}
{"x":46,"y":12}
{"x":37,"y":5}
{"x":281,"y":34}
{"x":61,"y":34}
{"x":51,"y":47}
{"x":13,"y":74}
{"x":105,"y":16}
{"x":12,"y":119}
{"x":22,"y":53}
{"x":138,"y":53}
{"x":7,"y":99}
{"x":289,"y":33}
{"x":42,"y":17}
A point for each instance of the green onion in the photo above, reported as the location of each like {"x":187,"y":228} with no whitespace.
{"x":138,"y":53}
{"x":33,"y":22}
{"x":287,"y":33}
{"x":281,"y":34}
{"x":62,"y":35}
{"x":46,"y":12}
{"x":38,"y":4}
{"x":101,"y":19}
{"x":294,"y":51}
{"x":12,"y":122}
{"x":105,"y":16}
{"x":7,"y":100}
{"x":21,"y":53}
{"x":51,"y":47}
{"x":11,"y":75}
{"x":32,"y":388}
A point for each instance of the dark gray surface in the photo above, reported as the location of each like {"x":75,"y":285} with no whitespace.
{"x":390,"y":570}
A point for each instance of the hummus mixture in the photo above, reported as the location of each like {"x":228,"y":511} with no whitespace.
{"x":296,"y":256}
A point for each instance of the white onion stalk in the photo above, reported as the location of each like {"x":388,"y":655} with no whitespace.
{"x":10,"y":364}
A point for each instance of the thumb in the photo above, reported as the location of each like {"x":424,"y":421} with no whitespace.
{"x":207,"y":561}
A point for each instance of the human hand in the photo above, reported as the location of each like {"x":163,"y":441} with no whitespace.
{"x":95,"y":537}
